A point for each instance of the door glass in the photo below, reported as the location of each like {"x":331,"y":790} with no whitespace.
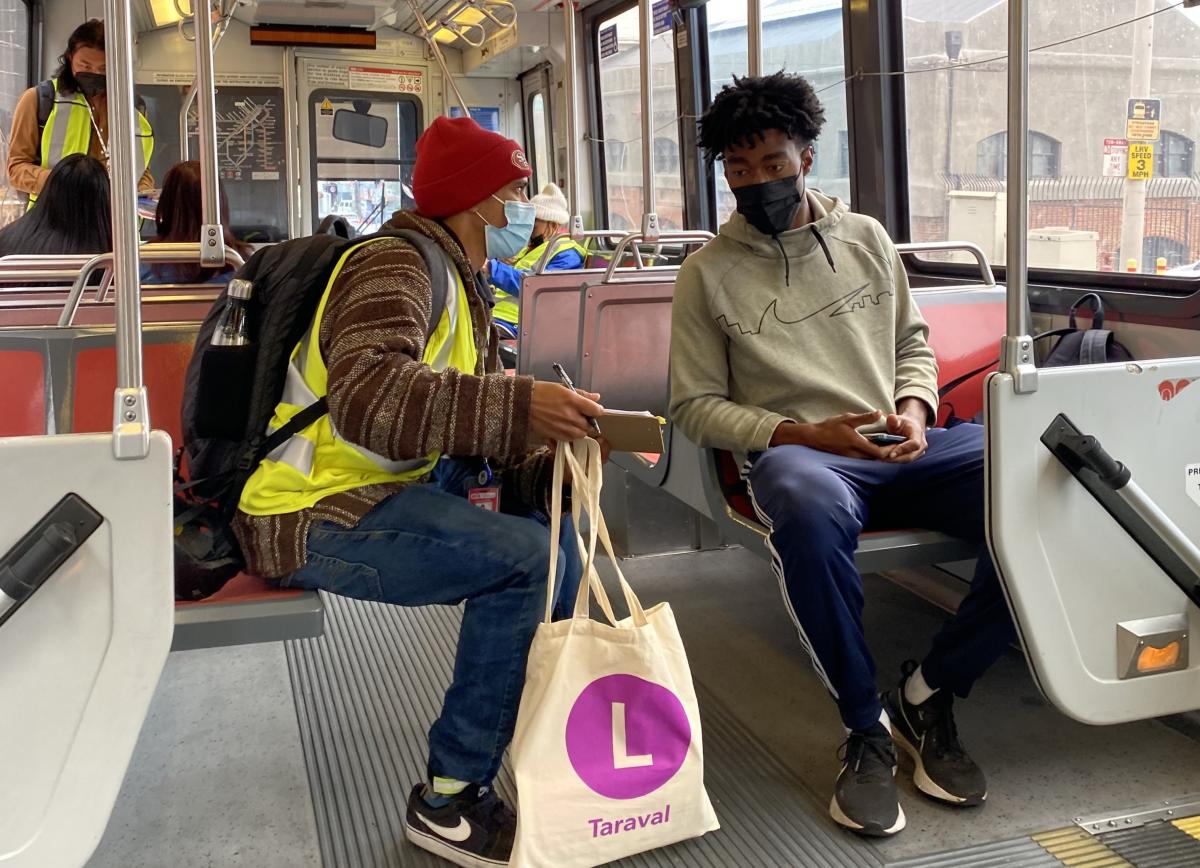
{"x":620,"y":87}
{"x":543,"y":157}
{"x":801,"y":39}
{"x":14,"y":75}
{"x":365,"y":150}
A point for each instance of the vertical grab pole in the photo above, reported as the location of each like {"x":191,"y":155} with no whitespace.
{"x":212,"y":235}
{"x":1016,"y":351}
{"x":754,"y":37}
{"x":131,"y":416}
{"x":572,"y":96}
{"x":649,"y":209}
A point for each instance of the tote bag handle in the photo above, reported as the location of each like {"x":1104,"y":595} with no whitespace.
{"x":586,"y":483}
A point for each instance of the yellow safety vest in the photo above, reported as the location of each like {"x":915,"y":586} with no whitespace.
{"x":318,"y":462}
{"x":69,"y":131}
{"x":507,"y":306}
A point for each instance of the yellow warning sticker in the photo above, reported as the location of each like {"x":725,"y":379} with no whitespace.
{"x":326,"y":107}
{"x":1141,"y":161}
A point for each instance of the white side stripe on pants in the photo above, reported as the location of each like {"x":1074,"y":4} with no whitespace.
{"x":777,"y":567}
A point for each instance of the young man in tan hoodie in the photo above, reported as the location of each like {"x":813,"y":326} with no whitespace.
{"x":794,"y":332}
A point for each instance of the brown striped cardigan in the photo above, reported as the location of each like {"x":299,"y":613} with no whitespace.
{"x":383,"y":398}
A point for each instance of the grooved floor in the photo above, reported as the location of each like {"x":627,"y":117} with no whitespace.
{"x":367,"y":691}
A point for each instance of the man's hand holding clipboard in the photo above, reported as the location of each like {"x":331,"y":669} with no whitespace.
{"x":625,"y":430}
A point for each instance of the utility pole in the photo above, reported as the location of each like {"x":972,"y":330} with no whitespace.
{"x":1133,"y":203}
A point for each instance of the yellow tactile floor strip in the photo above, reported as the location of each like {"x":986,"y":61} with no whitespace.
{"x":1190,"y":825}
{"x":1074,"y":847}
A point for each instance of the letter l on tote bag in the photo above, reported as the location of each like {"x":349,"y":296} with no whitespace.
{"x":607,"y":750}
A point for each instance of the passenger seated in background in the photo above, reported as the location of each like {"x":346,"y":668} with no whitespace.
{"x":73,"y":214}
{"x":359,"y":504}
{"x":552,"y":219}
{"x":180,"y":217}
{"x":792,"y":330}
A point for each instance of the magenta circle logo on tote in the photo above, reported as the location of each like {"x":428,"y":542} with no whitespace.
{"x":626,"y":736}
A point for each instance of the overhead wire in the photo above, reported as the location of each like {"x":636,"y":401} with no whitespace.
{"x":860,"y":74}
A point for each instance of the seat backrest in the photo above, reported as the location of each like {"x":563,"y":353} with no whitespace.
{"x":24,"y":385}
{"x":965,"y":328}
{"x":625,"y":342}
{"x":166,"y":352}
{"x":549,"y":326}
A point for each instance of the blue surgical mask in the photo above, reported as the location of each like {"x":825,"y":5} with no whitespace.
{"x":507,"y":241}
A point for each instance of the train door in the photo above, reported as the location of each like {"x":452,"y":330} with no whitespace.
{"x":537,"y":110}
{"x":359,"y":124}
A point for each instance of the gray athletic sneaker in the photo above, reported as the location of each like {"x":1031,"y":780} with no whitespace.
{"x":926,"y":732}
{"x":865,"y":799}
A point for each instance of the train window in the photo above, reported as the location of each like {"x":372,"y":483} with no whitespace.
{"x":14,"y":79}
{"x":620,"y":83}
{"x":542,"y":154}
{"x":363,"y":178}
{"x":801,"y":38}
{"x":1114,"y":115}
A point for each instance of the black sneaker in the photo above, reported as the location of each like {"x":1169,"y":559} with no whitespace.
{"x":475,"y":829}
{"x":865,"y":799}
{"x":928,"y":734}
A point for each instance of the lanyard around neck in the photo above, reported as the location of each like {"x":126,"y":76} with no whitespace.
{"x":96,"y":127}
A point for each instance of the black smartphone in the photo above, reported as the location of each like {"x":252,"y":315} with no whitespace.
{"x":882,"y":439}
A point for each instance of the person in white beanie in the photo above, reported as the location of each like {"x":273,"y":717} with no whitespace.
{"x":551,"y":221}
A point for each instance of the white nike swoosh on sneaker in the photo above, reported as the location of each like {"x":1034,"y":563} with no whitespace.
{"x":458,"y":833}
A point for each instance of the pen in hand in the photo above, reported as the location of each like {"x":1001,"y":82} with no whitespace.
{"x":566,"y":381}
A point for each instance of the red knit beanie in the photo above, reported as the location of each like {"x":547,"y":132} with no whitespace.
{"x":459,"y":164}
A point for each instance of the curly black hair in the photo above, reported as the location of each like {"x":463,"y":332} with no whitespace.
{"x":746,"y":109}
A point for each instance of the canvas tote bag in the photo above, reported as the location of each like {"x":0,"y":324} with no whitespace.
{"x":607,"y":751}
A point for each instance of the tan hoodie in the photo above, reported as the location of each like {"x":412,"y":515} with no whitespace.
{"x":757,"y":340}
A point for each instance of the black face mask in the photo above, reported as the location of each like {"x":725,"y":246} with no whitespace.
{"x":536,"y":241}
{"x":91,"y":83}
{"x":771,"y":207}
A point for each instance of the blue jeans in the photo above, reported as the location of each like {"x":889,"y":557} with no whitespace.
{"x":816,"y":504}
{"x":427,"y":545}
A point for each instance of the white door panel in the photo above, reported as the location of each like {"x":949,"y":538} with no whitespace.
{"x":79,"y":661}
{"x":1071,"y":571}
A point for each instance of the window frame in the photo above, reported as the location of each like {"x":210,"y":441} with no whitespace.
{"x":314,"y":163}
{"x":1160,"y":158}
{"x":999,"y":170}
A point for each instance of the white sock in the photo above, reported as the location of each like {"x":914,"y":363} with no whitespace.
{"x":883,"y":718}
{"x":916,"y":691}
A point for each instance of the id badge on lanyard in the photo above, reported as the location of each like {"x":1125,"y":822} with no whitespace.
{"x":485,"y":493}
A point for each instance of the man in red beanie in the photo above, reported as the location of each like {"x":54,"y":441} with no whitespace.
{"x":363,"y":503}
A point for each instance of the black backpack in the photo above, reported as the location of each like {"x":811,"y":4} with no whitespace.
{"x":1075,"y":346}
{"x":230,"y":395}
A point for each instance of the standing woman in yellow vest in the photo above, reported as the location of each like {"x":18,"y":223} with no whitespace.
{"x":68,"y":114}
{"x":551,"y":219}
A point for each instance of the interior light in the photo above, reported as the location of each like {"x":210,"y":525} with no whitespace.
{"x":1151,"y":659}
{"x":444,"y":36}
{"x":469,"y":15}
{"x":164,"y":12}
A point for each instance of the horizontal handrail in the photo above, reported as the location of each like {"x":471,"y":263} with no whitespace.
{"x":559,"y":240}
{"x":187,"y":293}
{"x":665,"y":239}
{"x":985,"y":268}
{"x":149,"y":253}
